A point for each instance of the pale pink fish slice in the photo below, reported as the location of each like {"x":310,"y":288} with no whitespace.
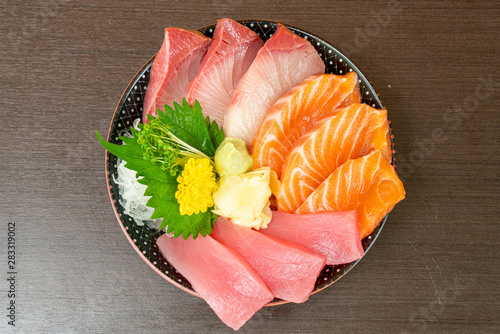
{"x":173,"y":68}
{"x":232,"y":288}
{"x":233,"y":49}
{"x":284,"y":61}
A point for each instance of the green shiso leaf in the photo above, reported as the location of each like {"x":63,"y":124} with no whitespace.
{"x":216,"y":134}
{"x":188,"y":125}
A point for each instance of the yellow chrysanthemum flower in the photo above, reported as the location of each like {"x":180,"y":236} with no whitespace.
{"x":196,"y":185}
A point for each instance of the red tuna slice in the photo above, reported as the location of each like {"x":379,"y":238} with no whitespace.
{"x":289,"y":270}
{"x":284,"y":61}
{"x":335,"y":235}
{"x":233,"y":49}
{"x":222,"y":277}
{"x":173,"y":68}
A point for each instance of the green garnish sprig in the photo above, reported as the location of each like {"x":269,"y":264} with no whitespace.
{"x":158,"y":150}
{"x":159,"y":144}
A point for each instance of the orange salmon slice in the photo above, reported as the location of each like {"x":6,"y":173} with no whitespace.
{"x":295,"y":111}
{"x":368,"y":185}
{"x":354,"y":132}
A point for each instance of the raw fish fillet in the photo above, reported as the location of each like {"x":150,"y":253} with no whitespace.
{"x":355,"y":131}
{"x":174,"y":66}
{"x":368,"y":185}
{"x":284,"y":61}
{"x":296,"y":110}
{"x":335,"y":235}
{"x":233,"y":49}
{"x":232,"y":288}
{"x":289,"y":270}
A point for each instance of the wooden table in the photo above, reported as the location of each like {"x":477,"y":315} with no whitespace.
{"x":435,"y":266}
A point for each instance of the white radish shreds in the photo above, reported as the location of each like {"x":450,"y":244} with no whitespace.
{"x":132,"y":194}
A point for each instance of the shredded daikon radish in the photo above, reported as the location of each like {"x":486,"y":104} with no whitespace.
{"x":132,"y":195}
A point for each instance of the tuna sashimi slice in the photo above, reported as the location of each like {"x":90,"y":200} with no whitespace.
{"x":174,"y":66}
{"x":355,"y":131}
{"x":232,"y":288}
{"x":284,"y":61}
{"x":335,"y":235}
{"x":289,"y":270}
{"x":233,"y":49}
{"x":368,"y":185}
{"x":296,"y":110}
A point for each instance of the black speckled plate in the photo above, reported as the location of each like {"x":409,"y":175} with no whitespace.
{"x":129,"y":108}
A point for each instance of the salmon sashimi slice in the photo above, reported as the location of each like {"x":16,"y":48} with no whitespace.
{"x":355,"y":131}
{"x":174,"y":66}
{"x":296,"y":110}
{"x":289,"y":270}
{"x":222,"y":277}
{"x":233,"y":49}
{"x":284,"y":61}
{"x":335,"y":235}
{"x":368,"y":185}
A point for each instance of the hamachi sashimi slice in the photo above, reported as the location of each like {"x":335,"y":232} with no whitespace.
{"x":174,"y":66}
{"x":232,"y":288}
{"x":368,"y":185}
{"x":284,"y":61}
{"x":233,"y":49}
{"x":296,"y":110}
{"x":289,"y":270}
{"x":355,"y":131}
{"x":335,"y":235}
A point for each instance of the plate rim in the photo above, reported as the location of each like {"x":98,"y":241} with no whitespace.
{"x":136,"y":78}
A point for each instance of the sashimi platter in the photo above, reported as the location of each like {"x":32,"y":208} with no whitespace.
{"x":251,"y":164}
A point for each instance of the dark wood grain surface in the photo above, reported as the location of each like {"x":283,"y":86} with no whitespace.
{"x":435,"y":267}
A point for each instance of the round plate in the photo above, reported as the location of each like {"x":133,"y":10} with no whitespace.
{"x":129,"y":108}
